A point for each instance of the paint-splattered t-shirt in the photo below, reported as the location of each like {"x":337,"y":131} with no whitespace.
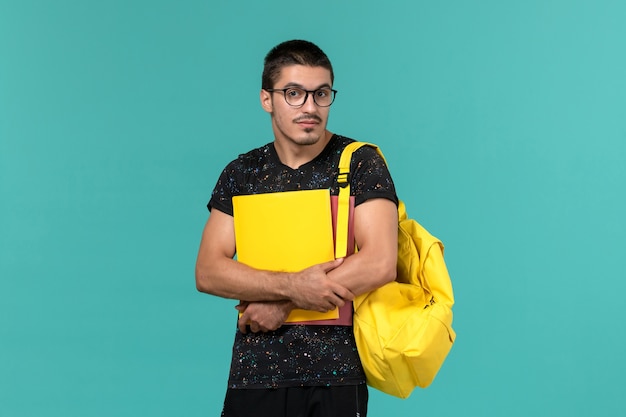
{"x":299,"y":355}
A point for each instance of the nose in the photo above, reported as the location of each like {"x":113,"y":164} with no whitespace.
{"x":309,"y":105}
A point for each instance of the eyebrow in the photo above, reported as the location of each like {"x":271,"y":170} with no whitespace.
{"x":290,"y":85}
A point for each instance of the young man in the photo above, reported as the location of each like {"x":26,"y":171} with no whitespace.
{"x":291,"y":370}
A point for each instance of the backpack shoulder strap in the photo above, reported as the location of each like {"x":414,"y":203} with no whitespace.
{"x":346,"y":158}
{"x":343,"y":201}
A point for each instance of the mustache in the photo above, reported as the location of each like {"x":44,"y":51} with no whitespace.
{"x":307,"y":118}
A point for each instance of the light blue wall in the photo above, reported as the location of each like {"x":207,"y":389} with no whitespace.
{"x":504,"y":124}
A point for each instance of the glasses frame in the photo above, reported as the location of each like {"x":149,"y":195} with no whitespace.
{"x":306,"y":95}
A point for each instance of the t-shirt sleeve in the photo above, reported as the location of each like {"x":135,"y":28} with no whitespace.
{"x":371,"y":177}
{"x":225,"y":188}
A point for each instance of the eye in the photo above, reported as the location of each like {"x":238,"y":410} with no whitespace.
{"x":322,"y":92}
{"x":294,"y":92}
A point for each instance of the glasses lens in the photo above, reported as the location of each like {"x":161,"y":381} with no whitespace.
{"x":323,"y":97}
{"x":295,"y":96}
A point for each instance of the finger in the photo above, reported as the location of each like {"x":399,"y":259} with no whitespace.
{"x":331,"y":304}
{"x":337,"y":301}
{"x":323,"y":309}
{"x":324,"y":306}
{"x":342,"y":292}
{"x":242,"y":324}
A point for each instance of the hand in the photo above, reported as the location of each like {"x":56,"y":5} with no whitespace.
{"x":314,"y":290}
{"x":263,"y":316}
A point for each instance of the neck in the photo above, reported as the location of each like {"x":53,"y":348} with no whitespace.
{"x":294,"y":155}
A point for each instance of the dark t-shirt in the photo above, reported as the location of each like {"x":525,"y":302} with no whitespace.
{"x":299,"y":355}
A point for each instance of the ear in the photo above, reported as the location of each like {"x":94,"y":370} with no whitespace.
{"x":266,"y":101}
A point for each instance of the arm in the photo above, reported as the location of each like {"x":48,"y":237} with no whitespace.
{"x":376,"y":235}
{"x":218,"y":274}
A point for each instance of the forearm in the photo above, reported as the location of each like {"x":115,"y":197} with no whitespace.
{"x":309,"y":289}
{"x":362,"y":272}
{"x":228,"y":278}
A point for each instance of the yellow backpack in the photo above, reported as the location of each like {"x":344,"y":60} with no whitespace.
{"x":403,"y":329}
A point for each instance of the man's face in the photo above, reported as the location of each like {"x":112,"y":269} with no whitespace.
{"x":304,"y":125}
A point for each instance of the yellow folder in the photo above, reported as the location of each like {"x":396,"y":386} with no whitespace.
{"x":288,"y":232}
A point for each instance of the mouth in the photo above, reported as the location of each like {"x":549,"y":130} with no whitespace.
{"x":307,"y":122}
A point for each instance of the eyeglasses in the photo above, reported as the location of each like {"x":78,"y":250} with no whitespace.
{"x":296,"y":97}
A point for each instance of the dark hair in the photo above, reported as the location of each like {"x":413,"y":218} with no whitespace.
{"x":294,"y":52}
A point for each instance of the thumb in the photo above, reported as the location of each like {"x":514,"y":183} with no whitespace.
{"x":330,"y":265}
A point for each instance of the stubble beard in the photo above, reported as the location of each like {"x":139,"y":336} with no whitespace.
{"x":310,"y":139}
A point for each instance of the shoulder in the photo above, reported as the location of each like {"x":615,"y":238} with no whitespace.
{"x":364,"y":153}
{"x":370,"y":177}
